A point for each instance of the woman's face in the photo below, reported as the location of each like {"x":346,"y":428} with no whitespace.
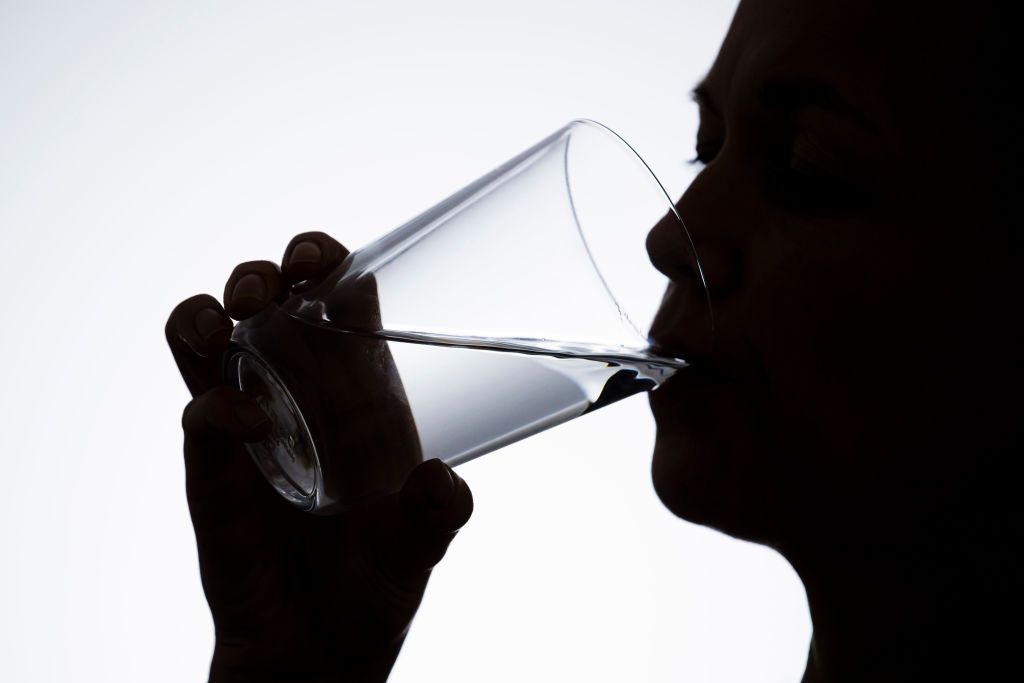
{"x":837,"y":225}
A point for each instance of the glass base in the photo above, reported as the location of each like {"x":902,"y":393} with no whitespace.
{"x":287,"y":457}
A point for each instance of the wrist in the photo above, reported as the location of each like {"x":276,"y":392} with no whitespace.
{"x":235,"y":662}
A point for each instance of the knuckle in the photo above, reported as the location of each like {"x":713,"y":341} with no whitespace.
{"x":197,"y":413}
{"x":191,"y":416}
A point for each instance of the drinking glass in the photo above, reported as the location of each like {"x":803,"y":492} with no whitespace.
{"x":517,"y":303}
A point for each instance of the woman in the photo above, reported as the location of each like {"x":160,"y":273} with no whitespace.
{"x":853,"y":219}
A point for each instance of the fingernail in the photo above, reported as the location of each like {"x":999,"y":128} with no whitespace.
{"x":440,"y":495}
{"x":209,"y":323}
{"x":249,"y":415}
{"x":305,"y":253}
{"x":250,"y":286}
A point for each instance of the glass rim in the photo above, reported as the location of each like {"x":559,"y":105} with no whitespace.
{"x":623,"y":143}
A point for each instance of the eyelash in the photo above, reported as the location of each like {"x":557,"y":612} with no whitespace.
{"x":701,"y":158}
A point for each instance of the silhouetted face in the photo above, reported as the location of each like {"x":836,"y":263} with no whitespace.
{"x":837,"y":221}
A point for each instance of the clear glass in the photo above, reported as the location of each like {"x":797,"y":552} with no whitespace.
{"x":518,"y":303}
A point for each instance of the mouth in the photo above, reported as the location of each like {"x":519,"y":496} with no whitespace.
{"x":697,"y":374}
{"x":690,"y":383}
{"x":701,"y":367}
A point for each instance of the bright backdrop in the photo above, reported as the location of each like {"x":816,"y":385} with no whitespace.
{"x":145,"y":148}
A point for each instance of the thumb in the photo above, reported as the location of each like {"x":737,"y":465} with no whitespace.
{"x":435,"y":497}
{"x":433,"y":505}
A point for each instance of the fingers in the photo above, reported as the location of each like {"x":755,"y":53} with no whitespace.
{"x":433,"y":505}
{"x":311,"y":256}
{"x":214,"y":419}
{"x":251,"y":287}
{"x":231,"y":505}
{"x":435,"y":496}
{"x":198,"y":331}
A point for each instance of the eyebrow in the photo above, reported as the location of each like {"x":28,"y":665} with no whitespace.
{"x":793,"y":95}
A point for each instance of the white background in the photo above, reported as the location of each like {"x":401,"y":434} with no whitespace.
{"x":146,"y":148}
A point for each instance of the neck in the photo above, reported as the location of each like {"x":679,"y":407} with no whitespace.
{"x":916,"y":603}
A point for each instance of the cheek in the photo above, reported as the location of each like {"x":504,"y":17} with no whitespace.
{"x":839,"y":350}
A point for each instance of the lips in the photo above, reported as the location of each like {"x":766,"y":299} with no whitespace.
{"x":693,"y":396}
{"x":671,"y":337}
{"x":704,"y":368}
{"x":695,"y":375}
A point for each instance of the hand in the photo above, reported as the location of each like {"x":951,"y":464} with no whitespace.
{"x":294,"y":596}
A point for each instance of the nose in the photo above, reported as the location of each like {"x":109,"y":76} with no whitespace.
{"x":701,"y":271}
{"x":709,"y":261}
{"x":682,"y":327}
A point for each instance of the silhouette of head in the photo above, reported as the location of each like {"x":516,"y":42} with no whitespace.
{"x":854,"y":223}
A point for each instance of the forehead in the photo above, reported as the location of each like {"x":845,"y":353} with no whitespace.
{"x":838,"y":42}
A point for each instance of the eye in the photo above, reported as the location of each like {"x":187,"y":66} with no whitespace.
{"x":815,"y":180}
{"x":705,"y":153}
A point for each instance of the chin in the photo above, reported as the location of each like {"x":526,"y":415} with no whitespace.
{"x":712,"y":466}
